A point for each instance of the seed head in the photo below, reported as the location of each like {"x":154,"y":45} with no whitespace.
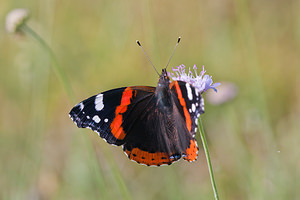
{"x":15,"y":19}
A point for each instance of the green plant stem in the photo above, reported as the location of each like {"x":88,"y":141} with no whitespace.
{"x":58,"y":70}
{"x":211,"y":173}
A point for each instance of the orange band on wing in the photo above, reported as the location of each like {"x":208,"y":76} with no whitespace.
{"x":185,"y":111}
{"x":144,"y":157}
{"x":116,"y":125}
{"x":191,"y":152}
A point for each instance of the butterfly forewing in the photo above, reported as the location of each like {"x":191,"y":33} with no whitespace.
{"x":103,"y":113}
{"x":190,"y":105}
{"x":189,"y":102}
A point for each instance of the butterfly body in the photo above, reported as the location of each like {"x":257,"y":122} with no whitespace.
{"x":155,"y":125}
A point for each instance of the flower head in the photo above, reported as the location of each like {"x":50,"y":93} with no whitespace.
{"x":201,"y":82}
{"x":228,"y":91}
{"x":15,"y":19}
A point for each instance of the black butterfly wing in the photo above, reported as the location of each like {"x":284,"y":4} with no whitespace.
{"x":103,"y":113}
{"x":190,"y":105}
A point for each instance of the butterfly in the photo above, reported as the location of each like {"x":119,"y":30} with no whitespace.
{"x":155,"y":125}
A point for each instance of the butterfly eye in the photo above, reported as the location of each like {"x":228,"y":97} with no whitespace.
{"x":166,"y":77}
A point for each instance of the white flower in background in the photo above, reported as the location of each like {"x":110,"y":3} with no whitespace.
{"x":226,"y":92}
{"x":15,"y":19}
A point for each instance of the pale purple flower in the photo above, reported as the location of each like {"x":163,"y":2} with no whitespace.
{"x":227,"y":92}
{"x":202,"y":82}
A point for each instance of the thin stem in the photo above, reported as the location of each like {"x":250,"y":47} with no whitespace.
{"x":211,"y":173}
{"x":60,"y":73}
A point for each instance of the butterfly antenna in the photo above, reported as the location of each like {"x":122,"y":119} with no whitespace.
{"x":138,"y":42}
{"x":179,"y":38}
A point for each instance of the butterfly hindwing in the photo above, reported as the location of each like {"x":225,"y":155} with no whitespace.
{"x":152,"y":139}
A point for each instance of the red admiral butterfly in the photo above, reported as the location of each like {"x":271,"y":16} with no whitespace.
{"x":155,"y":125}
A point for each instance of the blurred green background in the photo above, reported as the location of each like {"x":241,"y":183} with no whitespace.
{"x":253,"y":139}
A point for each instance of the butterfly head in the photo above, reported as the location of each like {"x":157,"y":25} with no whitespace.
{"x":163,"y":91}
{"x":164,"y":78}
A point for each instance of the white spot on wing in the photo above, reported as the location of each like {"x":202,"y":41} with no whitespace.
{"x":81,"y":106}
{"x":189,"y":91}
{"x":197,"y":147}
{"x":99,"y":102}
{"x":105,"y":120}
{"x":96,"y":119}
{"x":193,"y":107}
{"x":202,"y":102}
